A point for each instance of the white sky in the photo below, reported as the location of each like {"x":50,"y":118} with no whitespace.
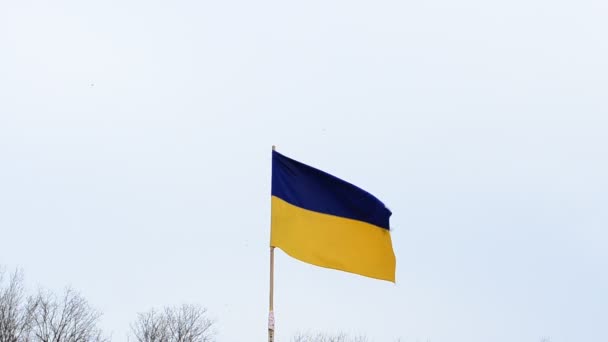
{"x":135,"y":141}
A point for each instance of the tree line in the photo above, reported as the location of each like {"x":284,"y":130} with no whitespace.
{"x":46,"y":316}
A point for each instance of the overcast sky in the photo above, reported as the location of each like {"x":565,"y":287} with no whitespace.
{"x":135,"y":145}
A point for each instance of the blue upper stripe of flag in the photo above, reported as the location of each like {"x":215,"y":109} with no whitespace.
{"x":312,"y":189}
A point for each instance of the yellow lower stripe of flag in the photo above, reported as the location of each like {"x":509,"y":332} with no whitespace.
{"x":332,"y":241}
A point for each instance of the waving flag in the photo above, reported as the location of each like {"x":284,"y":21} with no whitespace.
{"x":322,"y":220}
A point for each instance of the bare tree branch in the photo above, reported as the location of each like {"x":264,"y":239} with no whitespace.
{"x":185,"y":323}
{"x":323,"y":337}
{"x":15,"y":309}
{"x":150,"y":327}
{"x":66,"y":319}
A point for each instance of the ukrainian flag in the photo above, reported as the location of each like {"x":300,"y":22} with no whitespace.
{"x":322,"y":220}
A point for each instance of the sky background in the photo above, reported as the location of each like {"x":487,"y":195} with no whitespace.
{"x":135,"y":146}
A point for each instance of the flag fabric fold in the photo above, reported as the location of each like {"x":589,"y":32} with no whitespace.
{"x":322,"y":220}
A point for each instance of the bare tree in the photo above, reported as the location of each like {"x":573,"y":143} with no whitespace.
{"x":69,"y":318}
{"x":323,"y":337}
{"x":150,"y":326}
{"x":15,"y":309}
{"x":185,"y":323}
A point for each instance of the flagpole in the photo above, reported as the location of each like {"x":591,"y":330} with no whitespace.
{"x":271,"y":297}
{"x":271,"y":309}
